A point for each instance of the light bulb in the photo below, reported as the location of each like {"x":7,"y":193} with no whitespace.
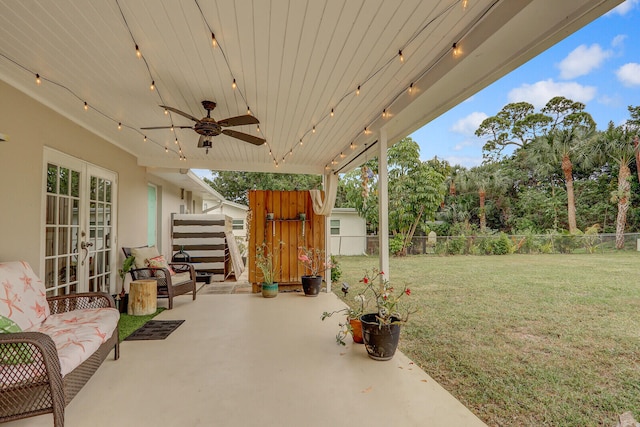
{"x":145,"y":138}
{"x":411,"y":88}
{"x":464,"y":4}
{"x":166,"y":149}
{"x":401,"y":56}
{"x":214,"y":42}
{"x":38,"y":81}
{"x":291,"y":152}
{"x":456,"y":50}
{"x":138,"y":53}
{"x":258,"y":128}
{"x":326,"y":167}
{"x":301,"y":143}
{"x":234,"y":85}
{"x":358,"y":91}
{"x":313,"y":130}
{"x":176,"y":141}
{"x":342,"y":155}
{"x":384,"y":113}
{"x":172,"y":128}
{"x":331,"y":114}
{"x":248,"y":110}
{"x":352,"y":146}
{"x":86,"y":106}
{"x":153,"y":85}
{"x":166,"y":111}
{"x":119,"y":126}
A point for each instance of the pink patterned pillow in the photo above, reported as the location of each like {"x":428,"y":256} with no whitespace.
{"x":22,"y":294}
{"x":160,"y":262}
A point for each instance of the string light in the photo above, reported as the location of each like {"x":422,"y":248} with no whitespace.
{"x":138,"y":53}
{"x":38,"y":81}
{"x":410,"y":88}
{"x":153,"y":85}
{"x":166,"y":149}
{"x":358,"y":91}
{"x":384,"y":113}
{"x":342,"y":155}
{"x":464,"y":4}
{"x":172,"y":128}
{"x":145,"y":138}
{"x":401,"y":56}
{"x":234,"y":85}
{"x":86,"y":106}
{"x":331,"y":114}
{"x":326,"y":167}
{"x":214,"y":42}
{"x":248,"y":110}
{"x":291,"y":152}
{"x":313,"y":130}
{"x":352,"y":146}
{"x":456,"y":50}
{"x":258,"y":128}
{"x":119,"y":126}
{"x":301,"y":143}
{"x":166,"y":111}
{"x":176,"y":142}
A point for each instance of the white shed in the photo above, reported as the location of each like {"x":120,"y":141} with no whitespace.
{"x":348,"y":232}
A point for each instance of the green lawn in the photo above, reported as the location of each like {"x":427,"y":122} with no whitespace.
{"x":524,"y":340}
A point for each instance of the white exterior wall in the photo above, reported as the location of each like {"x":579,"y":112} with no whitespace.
{"x":236,"y":212}
{"x":352,"y":239}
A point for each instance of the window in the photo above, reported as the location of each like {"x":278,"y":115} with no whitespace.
{"x":335,"y":227}
{"x":238,"y":224}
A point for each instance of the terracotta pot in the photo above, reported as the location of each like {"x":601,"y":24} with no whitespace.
{"x":380,"y":341}
{"x":356,"y":330}
{"x":311,"y":285}
{"x":269,"y":290}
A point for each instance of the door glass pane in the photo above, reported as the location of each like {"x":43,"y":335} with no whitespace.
{"x":50,"y":236}
{"x":75,"y":183}
{"x":52,"y":178}
{"x":63,"y":215}
{"x":107,"y":196}
{"x":51,"y":209}
{"x":93,"y":188}
{"x":63,"y":241}
{"x":64,"y":181}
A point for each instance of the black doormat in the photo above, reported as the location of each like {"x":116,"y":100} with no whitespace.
{"x":155,"y":330}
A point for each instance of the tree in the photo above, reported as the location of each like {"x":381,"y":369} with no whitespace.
{"x":235,"y":185}
{"x":483,"y":179}
{"x":616,"y":145}
{"x":634,"y":126}
{"x":517,"y":125}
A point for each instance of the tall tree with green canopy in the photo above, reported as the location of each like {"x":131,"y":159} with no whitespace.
{"x":634,"y":126}
{"x":235,"y":185}
{"x":569,"y":127}
{"x":616,"y":145}
{"x":516,"y":125}
{"x":484,"y":179}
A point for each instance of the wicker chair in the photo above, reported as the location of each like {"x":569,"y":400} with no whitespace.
{"x":169,"y":286}
{"x":32,"y":383}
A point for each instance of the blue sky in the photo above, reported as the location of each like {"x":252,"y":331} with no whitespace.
{"x":599,"y":66}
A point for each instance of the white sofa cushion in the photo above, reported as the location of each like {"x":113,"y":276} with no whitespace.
{"x":142,"y":255}
{"x":22,"y":294}
{"x":78,"y":334}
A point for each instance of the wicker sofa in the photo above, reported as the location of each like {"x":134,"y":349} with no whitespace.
{"x":64,"y":340}
{"x":173,"y":278}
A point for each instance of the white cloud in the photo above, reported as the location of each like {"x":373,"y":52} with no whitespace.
{"x":468,"y":125}
{"x":541,"y":92}
{"x":615,"y":101}
{"x":625,"y":7}
{"x":618,"y":40}
{"x":582,"y":60}
{"x":629,"y":74}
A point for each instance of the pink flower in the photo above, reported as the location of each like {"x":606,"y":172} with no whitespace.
{"x":303,"y":258}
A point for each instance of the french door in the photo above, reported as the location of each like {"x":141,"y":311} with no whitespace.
{"x":79,"y":226}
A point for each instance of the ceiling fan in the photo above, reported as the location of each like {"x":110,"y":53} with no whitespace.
{"x":207,"y":127}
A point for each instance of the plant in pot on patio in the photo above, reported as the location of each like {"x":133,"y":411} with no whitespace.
{"x":267,"y":262}
{"x":122,"y":298}
{"x":352,"y":324}
{"x":312,"y":259}
{"x":381,"y":330}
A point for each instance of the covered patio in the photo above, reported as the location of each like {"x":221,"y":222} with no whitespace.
{"x":242,"y":360}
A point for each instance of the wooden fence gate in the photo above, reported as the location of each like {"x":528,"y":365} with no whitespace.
{"x":283,"y":224}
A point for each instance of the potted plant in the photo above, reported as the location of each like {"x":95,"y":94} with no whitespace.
{"x":312,"y":259}
{"x":122,"y":298}
{"x":267,"y":262}
{"x":381,"y":330}
{"x":352,"y":324}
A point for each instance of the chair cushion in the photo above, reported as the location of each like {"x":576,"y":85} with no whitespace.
{"x":143,"y":254}
{"x":22,"y":294}
{"x":160,"y":262}
{"x":78,"y":334}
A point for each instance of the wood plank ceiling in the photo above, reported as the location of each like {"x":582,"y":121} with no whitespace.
{"x":293,"y":61}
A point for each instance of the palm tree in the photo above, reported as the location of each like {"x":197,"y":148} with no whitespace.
{"x":483,"y":179}
{"x":616,"y":145}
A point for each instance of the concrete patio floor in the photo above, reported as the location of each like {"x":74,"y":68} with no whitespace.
{"x":243,"y":360}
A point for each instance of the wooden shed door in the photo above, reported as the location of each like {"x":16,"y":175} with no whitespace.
{"x":286,"y":227}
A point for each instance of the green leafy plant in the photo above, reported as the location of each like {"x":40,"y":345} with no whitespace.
{"x":350,"y":313}
{"x":268,"y":262}
{"x":336,"y":271}
{"x":122,"y":271}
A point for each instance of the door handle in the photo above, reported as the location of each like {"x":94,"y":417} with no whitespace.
{"x":85,"y":247}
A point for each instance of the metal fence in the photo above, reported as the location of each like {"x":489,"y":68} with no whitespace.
{"x":524,"y":244}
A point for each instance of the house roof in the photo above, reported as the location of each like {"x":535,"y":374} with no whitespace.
{"x":293,"y":63}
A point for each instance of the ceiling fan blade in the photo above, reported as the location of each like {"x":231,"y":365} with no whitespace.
{"x":168,"y":127}
{"x":239,"y":120}
{"x":182,"y":113}
{"x":244,"y":137}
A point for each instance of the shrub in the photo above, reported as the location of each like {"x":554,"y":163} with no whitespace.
{"x":336,"y":271}
{"x":502,"y":245}
{"x":395,"y":244}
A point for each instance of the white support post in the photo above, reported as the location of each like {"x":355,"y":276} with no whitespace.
{"x":327,"y":242}
{"x":383,"y":203}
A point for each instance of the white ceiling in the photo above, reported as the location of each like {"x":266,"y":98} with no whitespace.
{"x":293,"y":62}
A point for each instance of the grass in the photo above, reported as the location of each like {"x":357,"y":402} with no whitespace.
{"x":524,"y":340}
{"x":129,"y":324}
